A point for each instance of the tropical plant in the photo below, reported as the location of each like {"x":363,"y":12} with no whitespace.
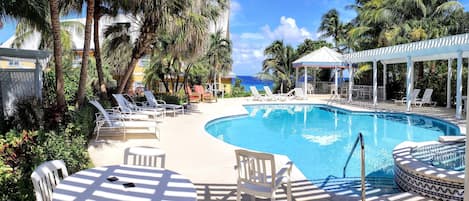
{"x":278,"y":64}
{"x":154,"y":16}
{"x":331,"y":26}
{"x":219,"y":55}
{"x":309,"y":45}
{"x":59,"y":75}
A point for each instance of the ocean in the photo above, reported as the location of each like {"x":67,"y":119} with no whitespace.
{"x":247,"y":81}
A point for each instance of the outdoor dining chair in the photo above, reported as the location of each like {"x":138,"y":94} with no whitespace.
{"x":144,"y":156}
{"x":46,"y":177}
{"x":257,"y":175}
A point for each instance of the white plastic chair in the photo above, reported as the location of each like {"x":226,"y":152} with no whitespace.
{"x":113,"y":122}
{"x":46,"y":177}
{"x":273,"y":96}
{"x":257,"y":175}
{"x":154,"y":103}
{"x":144,"y":156}
{"x":256,"y":96}
{"x":415,"y":94}
{"x":300,"y":94}
{"x":426,"y":98}
{"x":131,"y":108}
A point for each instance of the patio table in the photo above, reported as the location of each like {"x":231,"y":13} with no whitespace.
{"x":149,"y":184}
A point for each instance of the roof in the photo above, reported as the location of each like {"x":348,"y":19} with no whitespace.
{"x":324,"y":57}
{"x":21,"y":53}
{"x":435,"y":49}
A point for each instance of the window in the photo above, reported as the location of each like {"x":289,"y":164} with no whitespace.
{"x":144,"y":62}
{"x":13,"y":62}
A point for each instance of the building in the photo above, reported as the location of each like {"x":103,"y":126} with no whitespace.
{"x":32,"y":42}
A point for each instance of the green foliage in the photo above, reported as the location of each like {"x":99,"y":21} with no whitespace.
{"x":27,"y":114}
{"x":238,"y":90}
{"x":21,"y":152}
{"x":169,"y":99}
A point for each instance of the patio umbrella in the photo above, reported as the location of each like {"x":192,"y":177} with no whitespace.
{"x":324,"y":57}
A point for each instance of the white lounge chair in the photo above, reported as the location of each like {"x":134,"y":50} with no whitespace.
{"x":426,"y":98}
{"x":117,"y":114}
{"x":273,"y":96}
{"x":46,"y":177}
{"x":256,"y":96}
{"x":257,"y":175}
{"x":154,"y":103}
{"x":131,"y":108}
{"x":115,"y":123}
{"x":414,"y":95}
{"x":300,"y":94}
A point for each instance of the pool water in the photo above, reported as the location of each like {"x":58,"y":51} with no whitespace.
{"x":319,"y":138}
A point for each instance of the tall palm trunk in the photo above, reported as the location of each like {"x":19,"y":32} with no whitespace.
{"x":97,"y":49}
{"x":143,"y":44}
{"x":59,"y":77}
{"x":86,"y":54}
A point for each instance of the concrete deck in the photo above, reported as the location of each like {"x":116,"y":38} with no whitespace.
{"x":208,"y":162}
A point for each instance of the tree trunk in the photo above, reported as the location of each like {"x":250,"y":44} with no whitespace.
{"x":86,"y":53}
{"x":142,"y":45}
{"x":59,"y":77}
{"x":97,"y":49}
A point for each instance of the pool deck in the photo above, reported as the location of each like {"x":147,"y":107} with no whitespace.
{"x":209,"y":163}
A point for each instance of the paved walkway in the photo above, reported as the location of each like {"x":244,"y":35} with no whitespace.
{"x":207,"y":161}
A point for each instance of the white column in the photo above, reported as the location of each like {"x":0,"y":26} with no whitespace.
{"x":306,"y":81}
{"x":410,"y":82}
{"x":336,"y":85}
{"x":375,"y":82}
{"x":37,"y":79}
{"x":459,"y":86}
{"x":448,"y":84}
{"x":466,"y":170}
{"x":385,"y":79}
{"x":296,"y":76}
{"x":350,"y":82}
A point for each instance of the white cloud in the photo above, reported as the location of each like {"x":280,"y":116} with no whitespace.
{"x":287,"y":31}
{"x":254,"y":36}
{"x":248,"y":47}
{"x":235,"y":8}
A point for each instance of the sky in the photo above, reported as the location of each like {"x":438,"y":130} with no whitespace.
{"x":254,"y":24}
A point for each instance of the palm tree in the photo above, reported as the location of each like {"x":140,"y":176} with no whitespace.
{"x":309,"y":45}
{"x":86,"y":52}
{"x":278,"y":64}
{"x":117,"y":48}
{"x":154,"y":17}
{"x":59,"y":77}
{"x":219,"y":55}
{"x":331,"y":26}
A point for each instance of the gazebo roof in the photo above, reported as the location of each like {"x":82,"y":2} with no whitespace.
{"x":324,"y":57}
{"x":26,"y":54}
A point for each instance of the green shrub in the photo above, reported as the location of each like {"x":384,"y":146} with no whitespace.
{"x":27,"y":114}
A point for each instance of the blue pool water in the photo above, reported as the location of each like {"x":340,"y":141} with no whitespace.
{"x":318,"y":138}
{"x":247,"y":81}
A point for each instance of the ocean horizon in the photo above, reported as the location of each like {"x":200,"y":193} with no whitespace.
{"x":248,"y":80}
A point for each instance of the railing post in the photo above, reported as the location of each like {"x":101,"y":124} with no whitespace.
{"x":362,"y":167}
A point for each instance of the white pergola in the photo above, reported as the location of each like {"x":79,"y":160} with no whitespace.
{"x":446,"y":48}
{"x":324,"y":57}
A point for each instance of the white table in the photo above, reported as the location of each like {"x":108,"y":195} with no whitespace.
{"x":150,"y":184}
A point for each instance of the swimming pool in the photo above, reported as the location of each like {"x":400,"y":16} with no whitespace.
{"x":318,"y":138}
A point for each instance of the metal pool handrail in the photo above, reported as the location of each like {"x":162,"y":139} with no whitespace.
{"x":362,"y":148}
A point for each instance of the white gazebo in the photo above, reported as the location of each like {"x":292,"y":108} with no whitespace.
{"x":324,"y":57}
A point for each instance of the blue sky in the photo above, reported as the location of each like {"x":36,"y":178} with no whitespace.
{"x":254,"y":24}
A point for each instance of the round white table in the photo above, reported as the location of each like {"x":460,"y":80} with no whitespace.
{"x":150,"y":184}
